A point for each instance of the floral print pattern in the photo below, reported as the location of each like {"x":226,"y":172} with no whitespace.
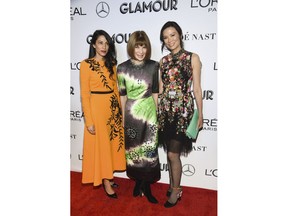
{"x":176,"y":101}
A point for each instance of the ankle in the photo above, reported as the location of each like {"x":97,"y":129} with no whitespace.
{"x":106,"y":181}
{"x":177,"y":188}
{"x":107,"y":185}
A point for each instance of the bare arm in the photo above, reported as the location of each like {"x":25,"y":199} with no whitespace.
{"x":155,"y":97}
{"x":157,"y":84}
{"x":160,"y":80}
{"x":123,"y":100}
{"x":197,"y":90}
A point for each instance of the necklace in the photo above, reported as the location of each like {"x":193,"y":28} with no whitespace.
{"x":137,"y":65}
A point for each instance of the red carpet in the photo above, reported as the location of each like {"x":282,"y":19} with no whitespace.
{"x":87,"y":200}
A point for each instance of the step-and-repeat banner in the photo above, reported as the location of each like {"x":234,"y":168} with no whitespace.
{"x":198,"y":20}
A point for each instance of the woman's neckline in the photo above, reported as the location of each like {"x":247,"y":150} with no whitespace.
{"x":177,"y":54}
{"x":138,"y":64}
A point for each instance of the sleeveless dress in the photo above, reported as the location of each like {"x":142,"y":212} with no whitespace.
{"x":141,"y":128}
{"x":176,"y":106}
{"x":104,"y":152}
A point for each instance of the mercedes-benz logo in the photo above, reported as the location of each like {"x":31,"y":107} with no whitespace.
{"x":102,"y":9}
{"x":89,"y":38}
{"x":188,"y":170}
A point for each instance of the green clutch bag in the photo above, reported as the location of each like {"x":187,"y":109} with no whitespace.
{"x":192,"y":129}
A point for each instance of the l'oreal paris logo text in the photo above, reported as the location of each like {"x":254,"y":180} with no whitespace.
{"x":76,"y":11}
{"x":210,"y":4}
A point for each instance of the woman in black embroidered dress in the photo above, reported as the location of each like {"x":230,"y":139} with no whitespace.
{"x":180,"y":70}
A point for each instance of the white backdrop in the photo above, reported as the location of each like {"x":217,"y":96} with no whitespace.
{"x":198,"y":20}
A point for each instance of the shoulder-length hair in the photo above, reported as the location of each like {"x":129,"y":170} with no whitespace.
{"x":138,"y":38}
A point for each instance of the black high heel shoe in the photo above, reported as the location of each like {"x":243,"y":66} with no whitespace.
{"x":114,"y":185}
{"x":147,"y":192}
{"x":137,"y":191}
{"x":168,"y":193}
{"x":179,"y":194}
{"x":114,"y":195}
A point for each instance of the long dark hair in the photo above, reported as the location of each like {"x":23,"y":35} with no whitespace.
{"x":110,"y":58}
{"x":174,"y":25}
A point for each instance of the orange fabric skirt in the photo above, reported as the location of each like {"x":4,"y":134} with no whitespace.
{"x":104,"y":152}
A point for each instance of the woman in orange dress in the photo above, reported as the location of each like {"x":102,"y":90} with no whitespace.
{"x":103,"y":147}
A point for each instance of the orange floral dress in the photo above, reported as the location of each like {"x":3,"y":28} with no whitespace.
{"x":104,"y":152}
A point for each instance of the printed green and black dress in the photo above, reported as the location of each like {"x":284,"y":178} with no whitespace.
{"x":138,"y":83}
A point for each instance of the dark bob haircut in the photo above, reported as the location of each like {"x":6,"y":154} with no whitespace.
{"x":138,"y":38}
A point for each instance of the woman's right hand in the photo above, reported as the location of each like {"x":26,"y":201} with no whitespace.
{"x":91,"y":129}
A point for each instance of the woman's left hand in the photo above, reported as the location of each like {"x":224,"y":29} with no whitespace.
{"x":200,"y":123}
